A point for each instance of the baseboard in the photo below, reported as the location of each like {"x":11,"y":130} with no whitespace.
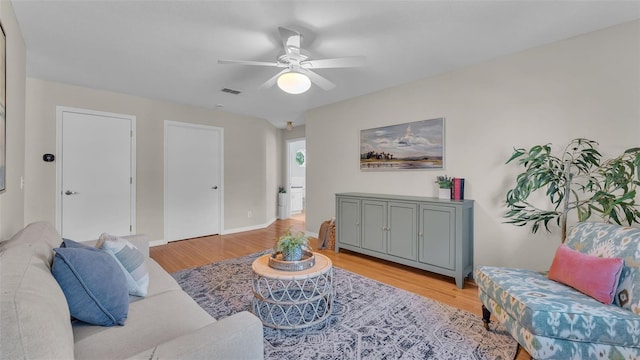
{"x":157,"y":242}
{"x":248,"y":228}
{"x":235,"y":230}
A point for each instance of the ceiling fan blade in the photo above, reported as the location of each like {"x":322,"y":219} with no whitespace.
{"x":341,"y":62}
{"x":269,"y":83}
{"x":291,"y":40}
{"x":249,"y":62}
{"x":322,"y":83}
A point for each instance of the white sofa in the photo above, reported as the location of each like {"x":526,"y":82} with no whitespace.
{"x":35,"y":322}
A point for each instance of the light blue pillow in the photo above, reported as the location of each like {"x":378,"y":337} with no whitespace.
{"x":93,"y":284}
{"x":131,"y":261}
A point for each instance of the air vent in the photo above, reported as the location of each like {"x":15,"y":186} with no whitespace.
{"x":231,"y":91}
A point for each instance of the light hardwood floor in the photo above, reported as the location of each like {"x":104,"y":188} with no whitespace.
{"x":201,"y":251}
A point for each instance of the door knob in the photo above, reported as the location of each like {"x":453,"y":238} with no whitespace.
{"x":215,"y":187}
{"x":69,"y":192}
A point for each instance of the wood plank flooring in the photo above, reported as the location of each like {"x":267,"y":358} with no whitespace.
{"x":201,"y":251}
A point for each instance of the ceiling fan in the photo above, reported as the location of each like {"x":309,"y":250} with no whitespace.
{"x":297,"y":76}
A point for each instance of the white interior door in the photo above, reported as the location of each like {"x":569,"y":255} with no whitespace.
{"x":96,"y":173}
{"x":296,"y":174}
{"x":193,"y":180}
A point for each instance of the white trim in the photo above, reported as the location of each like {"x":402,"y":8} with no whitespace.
{"x":250,"y":228}
{"x":237,"y":230}
{"x":262,"y":226}
{"x":60,"y":110}
{"x":157,"y":243}
{"x":168,"y":123}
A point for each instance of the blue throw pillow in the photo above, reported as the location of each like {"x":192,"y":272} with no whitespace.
{"x":93,"y":284}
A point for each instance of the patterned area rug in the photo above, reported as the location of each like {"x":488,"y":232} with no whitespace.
{"x":370,"y":320}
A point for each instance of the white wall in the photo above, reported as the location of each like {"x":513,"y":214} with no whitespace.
{"x":586,"y":86}
{"x":251,"y":148}
{"x":12,"y":200}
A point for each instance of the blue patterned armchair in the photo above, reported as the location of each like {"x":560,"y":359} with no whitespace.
{"x":553,"y":321}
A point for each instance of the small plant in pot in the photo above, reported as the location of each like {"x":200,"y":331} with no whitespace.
{"x":292,"y":246}
{"x":444,"y":182}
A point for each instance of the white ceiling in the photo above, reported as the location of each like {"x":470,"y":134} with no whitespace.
{"x":169,"y":49}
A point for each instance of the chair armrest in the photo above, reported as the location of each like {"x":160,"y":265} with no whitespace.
{"x":236,"y":337}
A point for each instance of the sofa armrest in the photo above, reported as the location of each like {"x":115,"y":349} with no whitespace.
{"x":236,"y":337}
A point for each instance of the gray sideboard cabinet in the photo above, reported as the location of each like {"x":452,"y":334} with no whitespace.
{"x":427,"y":233}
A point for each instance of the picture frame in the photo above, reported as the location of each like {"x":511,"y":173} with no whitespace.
{"x":3,"y":107}
{"x":417,"y":145}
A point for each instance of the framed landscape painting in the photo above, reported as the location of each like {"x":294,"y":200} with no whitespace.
{"x":417,"y":145}
{"x":3,"y":115}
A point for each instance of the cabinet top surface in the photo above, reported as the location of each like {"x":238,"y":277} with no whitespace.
{"x":405,"y":198}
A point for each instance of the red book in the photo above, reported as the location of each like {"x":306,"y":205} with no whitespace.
{"x":457,"y":190}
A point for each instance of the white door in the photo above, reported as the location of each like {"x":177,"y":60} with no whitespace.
{"x":96,"y":173}
{"x":193,"y":180}
{"x":296,"y":174}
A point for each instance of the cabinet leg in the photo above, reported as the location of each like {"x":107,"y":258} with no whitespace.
{"x":486,"y":315}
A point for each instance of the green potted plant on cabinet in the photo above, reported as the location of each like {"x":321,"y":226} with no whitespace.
{"x":444,"y":184}
{"x":292,"y":246}
{"x":578,"y":180}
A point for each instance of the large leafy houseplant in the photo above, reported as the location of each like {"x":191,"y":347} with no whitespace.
{"x":578,"y":180}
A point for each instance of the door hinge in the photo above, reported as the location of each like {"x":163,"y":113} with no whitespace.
{"x":131,"y":133}
{"x":130,"y":180}
{"x":130,"y":228}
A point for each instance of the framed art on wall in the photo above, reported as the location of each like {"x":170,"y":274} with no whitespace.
{"x":417,"y":145}
{"x":3,"y":114}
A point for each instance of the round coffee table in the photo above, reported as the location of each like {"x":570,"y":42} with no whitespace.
{"x":292,"y":299}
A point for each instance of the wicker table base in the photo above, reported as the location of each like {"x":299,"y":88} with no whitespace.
{"x":292,"y":299}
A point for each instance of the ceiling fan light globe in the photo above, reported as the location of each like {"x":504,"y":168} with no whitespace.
{"x":294,"y":82}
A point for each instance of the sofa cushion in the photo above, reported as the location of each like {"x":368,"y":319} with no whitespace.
{"x":35,"y":316}
{"x":93,"y":284}
{"x":152,"y":321}
{"x":607,"y":240}
{"x":159,"y":280}
{"x":550,"y":309}
{"x":591,"y":275}
{"x":131,"y":262}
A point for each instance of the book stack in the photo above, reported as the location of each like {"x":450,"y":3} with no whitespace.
{"x":457,"y":189}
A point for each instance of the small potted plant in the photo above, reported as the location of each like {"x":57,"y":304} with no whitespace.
{"x":444,"y":183}
{"x":292,"y":246}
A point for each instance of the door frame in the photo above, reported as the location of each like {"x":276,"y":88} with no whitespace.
{"x":168,"y":123}
{"x":288,"y":172}
{"x":60,"y":110}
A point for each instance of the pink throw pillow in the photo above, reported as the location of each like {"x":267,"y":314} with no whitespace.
{"x":591,"y":275}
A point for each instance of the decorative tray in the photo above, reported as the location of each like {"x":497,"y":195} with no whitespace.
{"x":276,"y":261}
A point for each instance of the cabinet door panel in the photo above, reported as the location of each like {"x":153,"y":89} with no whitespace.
{"x":437,"y":236}
{"x":348,"y":222}
{"x":374,"y":222}
{"x":403,"y":230}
